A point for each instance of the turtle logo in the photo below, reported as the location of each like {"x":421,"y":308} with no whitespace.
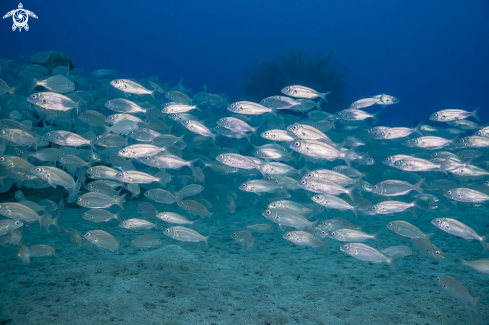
{"x":20,"y":17}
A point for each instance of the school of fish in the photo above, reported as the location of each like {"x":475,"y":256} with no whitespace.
{"x":106,"y":141}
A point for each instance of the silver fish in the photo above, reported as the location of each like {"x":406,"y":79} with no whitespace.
{"x":136,"y":224}
{"x":367,"y":253}
{"x":456,"y":290}
{"x":447,"y":115}
{"x":243,"y":237}
{"x":146,"y":241}
{"x":303,"y":238}
{"x":262,"y":228}
{"x":304,"y":92}
{"x":131,"y":87}
{"x":250,"y":108}
{"x":406,"y":229}
{"x":186,"y":234}
{"x":457,"y":228}
{"x":102,"y":240}
{"x":99,"y":200}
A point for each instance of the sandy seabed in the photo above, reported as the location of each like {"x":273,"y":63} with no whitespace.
{"x":275,"y":282}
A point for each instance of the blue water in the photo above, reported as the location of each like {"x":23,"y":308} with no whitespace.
{"x":431,"y":55}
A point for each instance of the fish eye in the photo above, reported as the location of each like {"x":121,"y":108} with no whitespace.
{"x":390,"y":224}
{"x":296,"y":144}
{"x":375,"y":186}
{"x":437,"y":253}
{"x":374,"y":207}
{"x":80,"y":199}
{"x":287,"y":88}
{"x":438,"y":221}
{"x":268,"y":212}
{"x":49,"y":134}
{"x":17,"y":223}
{"x":398,"y":162}
{"x":119,"y":175}
{"x":167,"y":231}
{"x":415,"y":141}
{"x":234,"y":234}
{"x":303,"y":182}
{"x":87,"y":234}
{"x":111,"y":118}
{"x":147,"y":158}
{"x":244,"y":185}
{"x":345,"y":247}
{"x":339,"y":113}
{"x":449,"y":192}
{"x":2,"y":158}
{"x":316,"y":197}
{"x":333,"y":233}
{"x":388,"y":159}
{"x":478,"y":133}
{"x":38,"y":170}
{"x":289,"y":235}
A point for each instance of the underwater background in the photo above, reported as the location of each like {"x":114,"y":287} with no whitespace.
{"x":431,"y":55}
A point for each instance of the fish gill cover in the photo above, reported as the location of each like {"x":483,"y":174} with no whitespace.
{"x":147,"y":178}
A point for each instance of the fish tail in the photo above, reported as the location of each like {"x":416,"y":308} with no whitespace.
{"x":121,"y":200}
{"x":475,"y":113}
{"x":61,"y":203}
{"x":191,"y":164}
{"x":323,"y":245}
{"x":484,"y":244}
{"x":376,"y":235}
{"x":461,"y":260}
{"x":454,"y":141}
{"x":161,"y":178}
{"x":443,"y":166}
{"x":417,"y":129}
{"x":392,"y":260}
{"x":156,"y":87}
{"x":274,"y":111}
{"x":206,"y":241}
{"x":254,"y":131}
{"x":348,"y":156}
{"x":118,"y":216}
{"x":106,"y":131}
{"x":374,"y":116}
{"x":413,"y":211}
{"x":248,"y":136}
{"x":324,"y":96}
{"x":417,"y":186}
{"x":475,"y":304}
{"x":55,"y":223}
{"x":355,"y":209}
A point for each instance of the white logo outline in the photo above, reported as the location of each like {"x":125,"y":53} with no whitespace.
{"x":20,"y":17}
